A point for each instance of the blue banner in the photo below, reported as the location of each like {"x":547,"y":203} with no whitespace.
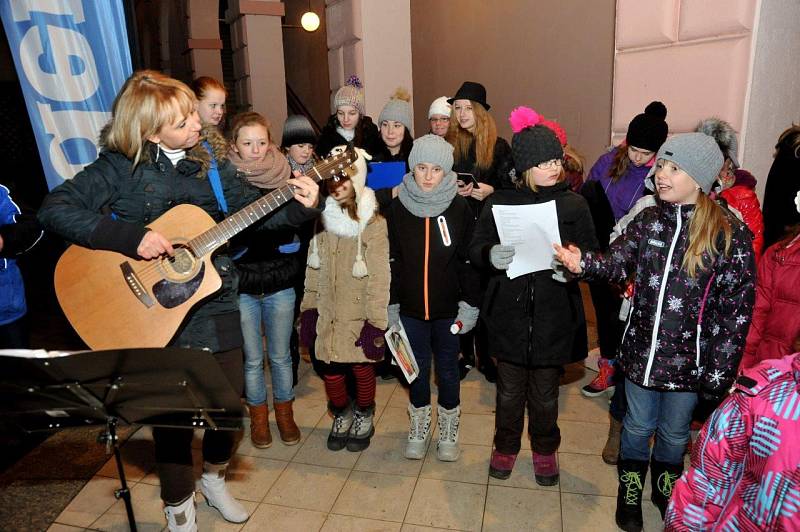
{"x":72,"y":57}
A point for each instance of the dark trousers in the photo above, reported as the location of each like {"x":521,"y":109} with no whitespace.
{"x":174,"y":446}
{"x":433,"y":339}
{"x":14,"y":335}
{"x":607,"y":301}
{"x":536,"y":387}
{"x":619,"y":402}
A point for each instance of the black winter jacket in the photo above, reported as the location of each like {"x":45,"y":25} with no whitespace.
{"x":429,"y":275}
{"x":534,"y":320}
{"x":367,"y":137}
{"x":266,"y":265}
{"x":497,"y":175}
{"x":108,"y":204}
{"x":682,"y":333}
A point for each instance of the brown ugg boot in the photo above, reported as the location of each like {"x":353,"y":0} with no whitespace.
{"x":259,"y":426}
{"x":284,"y":417}
{"x":611,"y":449}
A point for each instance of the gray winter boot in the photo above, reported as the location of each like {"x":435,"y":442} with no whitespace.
{"x":447,"y":448}
{"x":361,"y":430}
{"x":419,"y":432}
{"x":342,"y":421}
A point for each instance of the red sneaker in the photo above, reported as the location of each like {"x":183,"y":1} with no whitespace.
{"x":604,"y":382}
{"x":545,"y":469}
{"x":500,"y":465}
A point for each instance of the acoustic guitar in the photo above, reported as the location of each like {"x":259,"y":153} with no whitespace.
{"x":116,"y":302}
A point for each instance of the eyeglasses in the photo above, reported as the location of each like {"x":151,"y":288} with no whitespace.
{"x":442,"y":119}
{"x":552,"y":163}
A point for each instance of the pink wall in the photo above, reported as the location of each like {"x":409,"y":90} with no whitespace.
{"x":372,"y":39}
{"x":693,"y":55}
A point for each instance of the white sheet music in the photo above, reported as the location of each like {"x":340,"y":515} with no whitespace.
{"x":532,"y":230}
{"x":33,"y":353}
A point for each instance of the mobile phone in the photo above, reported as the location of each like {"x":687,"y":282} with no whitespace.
{"x":466,"y":177}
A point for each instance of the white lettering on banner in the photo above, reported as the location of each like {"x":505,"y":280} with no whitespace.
{"x":21,"y":9}
{"x":77,"y":124}
{"x":72,"y":57}
{"x":63,"y":84}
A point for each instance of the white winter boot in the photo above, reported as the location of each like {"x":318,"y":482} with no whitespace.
{"x":212,"y":484}
{"x":419,"y":432}
{"x":181,"y":517}
{"x":447,"y":448}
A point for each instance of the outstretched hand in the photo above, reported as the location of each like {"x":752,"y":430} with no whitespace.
{"x":570,"y":257}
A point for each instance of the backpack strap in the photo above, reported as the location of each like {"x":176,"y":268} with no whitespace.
{"x":213,"y":178}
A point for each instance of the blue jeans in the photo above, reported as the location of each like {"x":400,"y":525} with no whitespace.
{"x":668,"y":414}
{"x":276,"y":311}
{"x":430,"y":339}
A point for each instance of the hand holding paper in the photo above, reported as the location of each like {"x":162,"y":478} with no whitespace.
{"x":531,"y":230}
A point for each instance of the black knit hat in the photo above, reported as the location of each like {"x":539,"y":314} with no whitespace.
{"x":648,"y":130}
{"x":534,"y":145}
{"x":471,"y":90}
{"x":297,"y":130}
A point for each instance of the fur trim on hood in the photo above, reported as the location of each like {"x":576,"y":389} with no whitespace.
{"x":336,"y":220}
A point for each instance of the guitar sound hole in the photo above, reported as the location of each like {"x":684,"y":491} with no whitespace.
{"x":180,"y":267}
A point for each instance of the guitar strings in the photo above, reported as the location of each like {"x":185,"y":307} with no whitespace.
{"x":154,"y":271}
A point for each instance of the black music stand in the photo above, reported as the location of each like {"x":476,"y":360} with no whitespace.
{"x":167,"y":387}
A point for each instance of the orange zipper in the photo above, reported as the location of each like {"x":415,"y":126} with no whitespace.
{"x":425,"y":272}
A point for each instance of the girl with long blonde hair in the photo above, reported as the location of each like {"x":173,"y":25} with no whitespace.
{"x":694,"y":287}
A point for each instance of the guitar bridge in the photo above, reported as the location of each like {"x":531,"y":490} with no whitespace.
{"x":135,"y":285}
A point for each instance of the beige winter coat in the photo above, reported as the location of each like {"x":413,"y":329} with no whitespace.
{"x":342,"y":300}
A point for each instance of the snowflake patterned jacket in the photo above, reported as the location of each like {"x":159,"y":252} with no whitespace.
{"x":682,"y":333}
{"x":744,"y":473}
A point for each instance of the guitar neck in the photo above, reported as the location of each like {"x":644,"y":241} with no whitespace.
{"x":234,"y":224}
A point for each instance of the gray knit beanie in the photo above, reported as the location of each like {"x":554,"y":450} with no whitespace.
{"x":398,"y":109}
{"x":297,"y":130}
{"x":697,"y":154}
{"x":431,"y":149}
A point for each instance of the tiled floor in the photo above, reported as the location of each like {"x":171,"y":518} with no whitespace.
{"x":308,"y":488}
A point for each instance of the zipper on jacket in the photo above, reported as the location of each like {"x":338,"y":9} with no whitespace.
{"x":660,"y":303}
{"x":425,"y":267}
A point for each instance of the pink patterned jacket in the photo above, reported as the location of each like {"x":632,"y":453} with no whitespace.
{"x":745,"y":473}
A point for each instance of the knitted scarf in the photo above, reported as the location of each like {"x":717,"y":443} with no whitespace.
{"x":271,"y":171}
{"x":427,"y":204}
{"x":302,"y":168}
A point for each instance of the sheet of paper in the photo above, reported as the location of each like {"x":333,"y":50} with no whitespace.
{"x":532,"y":230}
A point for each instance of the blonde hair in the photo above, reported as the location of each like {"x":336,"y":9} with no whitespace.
{"x":573,"y":160}
{"x":527,"y":178}
{"x":249,"y":118}
{"x":485,"y":137}
{"x":148,"y":101}
{"x":705,"y":226}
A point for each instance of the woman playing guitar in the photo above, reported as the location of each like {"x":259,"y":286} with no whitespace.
{"x":156,"y":156}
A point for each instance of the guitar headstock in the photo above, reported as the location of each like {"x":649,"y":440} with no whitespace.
{"x":340,"y":163}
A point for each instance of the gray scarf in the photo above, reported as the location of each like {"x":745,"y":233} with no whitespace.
{"x":427,"y":204}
